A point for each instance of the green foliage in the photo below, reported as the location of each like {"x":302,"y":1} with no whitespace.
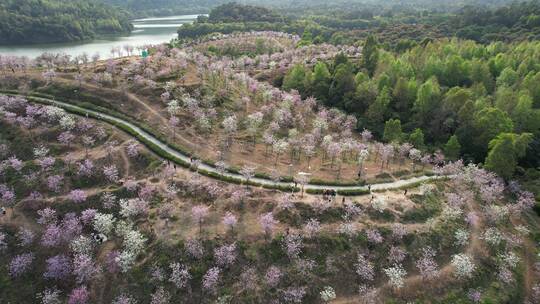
{"x":392,"y":130}
{"x":452,"y":149}
{"x":296,"y":79}
{"x":370,"y":55}
{"x":488,"y":123}
{"x":504,"y":152}
{"x":353,"y":192}
{"x":343,"y":84}
{"x":36,"y":21}
{"x":234,"y":12}
{"x":378,"y":110}
{"x":416,"y":138}
{"x":320,"y":82}
{"x":428,"y":206}
{"x":427,"y":99}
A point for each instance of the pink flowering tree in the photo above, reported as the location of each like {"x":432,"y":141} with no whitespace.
{"x":199,"y":214}
{"x":20,"y":264}
{"x":58,"y":267}
{"x":79,"y":295}
{"x":426,"y":264}
{"x":230,"y":220}
{"x":211,"y":279}
{"x":268,"y":223}
{"x":77,"y":196}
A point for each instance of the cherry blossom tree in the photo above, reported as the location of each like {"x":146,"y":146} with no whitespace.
{"x":292,"y":245}
{"x":111,"y":173}
{"x":268,"y":223}
{"x":20,"y":264}
{"x":25,"y":237}
{"x":294,"y":294}
{"x":327,"y":294}
{"x":79,"y":295}
{"x":273,"y":276}
{"x":199,"y":214}
{"x":280,"y":147}
{"x":49,"y":296}
{"x":426,"y":264}
{"x":225,"y":255}
{"x":160,"y":296}
{"x":179,"y":275}
{"x":194,"y":248}
{"x":248,"y":172}
{"x":84,"y":268}
{"x":463,"y":265}
{"x":230,"y":125}
{"x":211,"y":279}
{"x":396,"y":276}
{"x":364,"y":268}
{"x":312,"y":228}
{"x":77,"y":196}
{"x":230,"y":220}
{"x":59,"y":267}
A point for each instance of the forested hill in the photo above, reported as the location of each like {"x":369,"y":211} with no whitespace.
{"x":143,"y":8}
{"x":38,"y":21}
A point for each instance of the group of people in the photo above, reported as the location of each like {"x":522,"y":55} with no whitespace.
{"x":329,"y":194}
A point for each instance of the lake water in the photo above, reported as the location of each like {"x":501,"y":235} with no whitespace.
{"x":146,"y":31}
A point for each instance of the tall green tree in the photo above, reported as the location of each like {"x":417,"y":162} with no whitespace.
{"x":378,"y":110}
{"x":504,"y":152}
{"x":321,"y":82}
{"x":404,"y":95}
{"x":416,"y":138}
{"x":524,"y":116}
{"x":452,"y":149}
{"x":488,"y":123}
{"x":392,"y":130}
{"x":370,"y":55}
{"x":342,"y":86}
{"x":427,"y":100}
{"x":296,"y":79}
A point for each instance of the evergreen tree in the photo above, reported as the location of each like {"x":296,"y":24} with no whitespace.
{"x":377,"y":111}
{"x":370,"y":55}
{"x":342,"y":86}
{"x":417,"y":138}
{"x":392,"y":130}
{"x":452,"y":148}
{"x":488,"y":123}
{"x":321,"y":82}
{"x":505,"y":151}
{"x":404,"y":95}
{"x":427,"y":100}
{"x":296,"y":79}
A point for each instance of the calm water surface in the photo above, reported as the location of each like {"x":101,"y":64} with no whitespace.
{"x":146,"y":31}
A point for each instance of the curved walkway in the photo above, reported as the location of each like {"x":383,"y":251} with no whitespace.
{"x":182,"y":159}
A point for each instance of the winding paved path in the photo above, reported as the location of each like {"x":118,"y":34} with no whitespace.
{"x":175,"y":154}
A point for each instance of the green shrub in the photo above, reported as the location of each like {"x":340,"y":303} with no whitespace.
{"x":353,"y":192}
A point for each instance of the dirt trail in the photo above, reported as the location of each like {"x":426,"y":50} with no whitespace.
{"x":17,"y":218}
{"x":125,"y":160}
{"x":529,"y":259}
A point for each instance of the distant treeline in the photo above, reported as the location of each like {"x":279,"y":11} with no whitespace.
{"x":39,"y":21}
{"x":395,"y":27}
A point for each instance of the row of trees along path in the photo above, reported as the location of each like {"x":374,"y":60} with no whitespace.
{"x":175,"y":155}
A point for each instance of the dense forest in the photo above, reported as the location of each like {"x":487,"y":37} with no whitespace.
{"x":291,"y":7}
{"x":37,"y":21}
{"x":144,"y":8}
{"x":396,"y":26}
{"x":465,"y":82}
{"x":446,"y":94}
{"x":233,"y":12}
